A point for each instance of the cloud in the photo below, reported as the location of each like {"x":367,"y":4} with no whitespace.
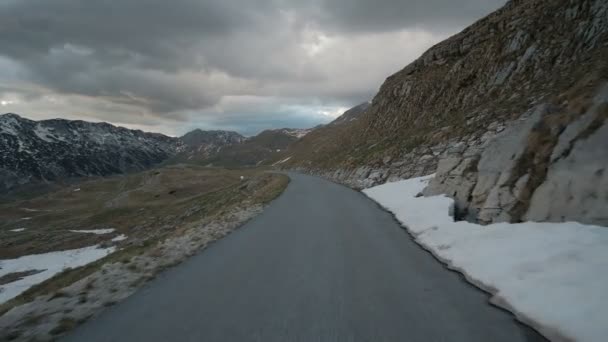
{"x":364,"y":16}
{"x":175,"y":63}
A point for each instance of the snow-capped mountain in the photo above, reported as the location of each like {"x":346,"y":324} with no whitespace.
{"x":55,"y":149}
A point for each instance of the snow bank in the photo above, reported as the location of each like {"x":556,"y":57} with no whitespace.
{"x":50,"y":263}
{"x":94,"y":231}
{"x":552,"y":275}
{"x":17,"y":230}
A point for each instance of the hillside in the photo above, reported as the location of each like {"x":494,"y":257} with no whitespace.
{"x":321,"y":144}
{"x":510,"y":108}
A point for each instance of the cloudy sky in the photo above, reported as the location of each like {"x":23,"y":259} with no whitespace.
{"x":245,"y":65}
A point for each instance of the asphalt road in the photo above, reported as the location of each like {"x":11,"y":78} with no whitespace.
{"x":322,"y":263}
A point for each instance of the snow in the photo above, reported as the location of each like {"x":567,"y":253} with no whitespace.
{"x":45,"y":133}
{"x":49,"y":263}
{"x":281,"y":161}
{"x":94,"y":231}
{"x":76,"y":190}
{"x":551,"y":275}
{"x":31,"y":210}
{"x":8,"y":124}
{"x":296,"y":133}
{"x":120,"y":237}
{"x":17,"y":230}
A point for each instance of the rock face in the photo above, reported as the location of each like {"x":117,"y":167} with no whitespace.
{"x":576,"y":183}
{"x":54,"y":149}
{"x":548,"y":166}
{"x":504,"y":112}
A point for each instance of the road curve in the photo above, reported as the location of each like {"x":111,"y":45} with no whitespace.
{"x":322,"y":263}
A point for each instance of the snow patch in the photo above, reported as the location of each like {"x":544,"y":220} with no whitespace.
{"x":552,"y":274}
{"x":52,"y":263}
{"x":94,"y":231}
{"x":120,"y":237}
{"x":17,"y":230}
{"x":281,"y":161}
{"x":296,"y":133}
{"x":44,"y":133}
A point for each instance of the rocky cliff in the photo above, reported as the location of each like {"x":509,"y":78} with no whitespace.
{"x":512,"y":109}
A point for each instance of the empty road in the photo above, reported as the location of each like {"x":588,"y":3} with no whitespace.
{"x":322,"y":263}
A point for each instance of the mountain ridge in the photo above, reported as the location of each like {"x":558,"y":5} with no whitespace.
{"x":58,"y":149}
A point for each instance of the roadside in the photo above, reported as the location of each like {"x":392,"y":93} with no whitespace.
{"x":147,"y":222}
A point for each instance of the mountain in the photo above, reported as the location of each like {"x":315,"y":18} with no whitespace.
{"x":351,"y":114}
{"x":199,"y":144}
{"x":510,"y":113}
{"x":55,"y":149}
{"x":256,"y":150}
{"x":321,"y":144}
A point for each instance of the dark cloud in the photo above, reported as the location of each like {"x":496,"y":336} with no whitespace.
{"x":165,"y":57}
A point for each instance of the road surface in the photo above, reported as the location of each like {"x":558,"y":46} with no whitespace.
{"x":322,"y":263}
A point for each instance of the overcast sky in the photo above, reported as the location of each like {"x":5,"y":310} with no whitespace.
{"x":244,"y":65}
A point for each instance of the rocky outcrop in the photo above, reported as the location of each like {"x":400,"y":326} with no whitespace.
{"x":576,"y":183}
{"x":547,"y":166}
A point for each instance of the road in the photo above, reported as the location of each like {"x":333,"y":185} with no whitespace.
{"x":322,"y":263}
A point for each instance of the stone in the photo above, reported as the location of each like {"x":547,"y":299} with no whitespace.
{"x":496,"y":165}
{"x":576,"y":184}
